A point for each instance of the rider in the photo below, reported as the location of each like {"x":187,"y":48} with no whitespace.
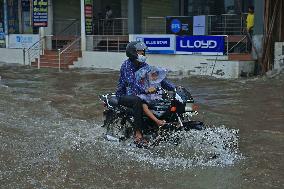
{"x":128,"y":88}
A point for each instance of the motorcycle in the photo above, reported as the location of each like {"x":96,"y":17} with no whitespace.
{"x":177,"y":108}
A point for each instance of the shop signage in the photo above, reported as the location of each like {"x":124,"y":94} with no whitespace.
{"x":203,"y":45}
{"x":157,"y":44}
{"x":200,"y":26}
{"x":179,"y":25}
{"x":40,"y":13}
{"x":89,"y":17}
{"x":20,"y":41}
{"x":2,"y":40}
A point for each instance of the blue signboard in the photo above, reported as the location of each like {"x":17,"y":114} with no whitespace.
{"x":179,"y":25}
{"x":157,"y":44}
{"x":204,"y":45}
{"x":175,"y":26}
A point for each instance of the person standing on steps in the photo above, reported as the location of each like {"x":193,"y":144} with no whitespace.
{"x":249,"y":26}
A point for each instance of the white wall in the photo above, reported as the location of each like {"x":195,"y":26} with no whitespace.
{"x":12,"y":55}
{"x":184,"y":64}
{"x":278,"y":56}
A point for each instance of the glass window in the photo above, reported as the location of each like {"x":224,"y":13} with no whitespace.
{"x":26,"y":17}
{"x":13,"y":19}
{"x":205,"y":7}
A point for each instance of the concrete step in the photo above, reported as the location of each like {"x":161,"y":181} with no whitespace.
{"x":240,"y":56}
{"x":236,"y":38}
{"x":51,"y":65}
{"x":55,"y":56}
{"x":62,"y":61}
{"x":50,"y":52}
{"x":64,"y":37}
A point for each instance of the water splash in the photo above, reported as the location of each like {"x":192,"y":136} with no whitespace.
{"x":214,"y":146}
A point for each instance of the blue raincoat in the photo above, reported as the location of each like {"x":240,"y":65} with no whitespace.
{"x":129,"y":85}
{"x":143,"y":77}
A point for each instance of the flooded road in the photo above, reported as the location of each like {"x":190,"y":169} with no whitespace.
{"x":50,"y":135}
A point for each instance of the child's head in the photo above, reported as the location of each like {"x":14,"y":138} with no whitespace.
{"x":153,"y":76}
{"x":156,"y":74}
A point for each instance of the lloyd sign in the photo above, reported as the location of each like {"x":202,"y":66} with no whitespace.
{"x":203,"y":45}
{"x":157,"y":44}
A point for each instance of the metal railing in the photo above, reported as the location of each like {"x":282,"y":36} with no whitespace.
{"x":37,"y":49}
{"x":108,"y":43}
{"x":105,"y":43}
{"x":226,"y":24}
{"x":67,"y":27}
{"x":34,"y":52}
{"x":69,"y":53}
{"x":67,"y":31}
{"x":238,"y":44}
{"x":114,"y":26}
{"x":118,"y":43}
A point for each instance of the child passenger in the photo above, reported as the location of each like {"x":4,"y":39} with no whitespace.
{"x":150,"y":78}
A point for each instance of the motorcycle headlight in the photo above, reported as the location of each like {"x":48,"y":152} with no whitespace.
{"x":189,"y":107}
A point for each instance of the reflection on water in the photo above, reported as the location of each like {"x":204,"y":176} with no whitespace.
{"x":50,"y":135}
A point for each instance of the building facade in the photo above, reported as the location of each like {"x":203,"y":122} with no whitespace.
{"x":16,"y":15}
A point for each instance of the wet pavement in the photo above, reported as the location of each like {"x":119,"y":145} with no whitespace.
{"x":50,"y":134}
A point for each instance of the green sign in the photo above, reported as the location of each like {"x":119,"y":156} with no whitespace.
{"x":89,"y":17}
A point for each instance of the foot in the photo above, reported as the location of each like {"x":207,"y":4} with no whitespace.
{"x":141,"y":142}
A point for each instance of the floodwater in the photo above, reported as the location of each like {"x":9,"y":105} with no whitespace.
{"x":50,"y":135}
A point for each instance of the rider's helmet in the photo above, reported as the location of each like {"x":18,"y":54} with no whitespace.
{"x":133,"y":47}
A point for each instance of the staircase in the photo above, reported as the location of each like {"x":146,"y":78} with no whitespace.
{"x":50,"y":59}
{"x":69,"y":53}
{"x":238,"y":48}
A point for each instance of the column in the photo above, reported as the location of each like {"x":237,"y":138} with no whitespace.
{"x":181,"y":5}
{"x":6,"y":23}
{"x":258,"y":17}
{"x":83,"y":32}
{"x":134,"y":17}
{"x":48,"y":31}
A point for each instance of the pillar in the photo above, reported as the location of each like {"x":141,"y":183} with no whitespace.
{"x":6,"y":23}
{"x":83,"y":29}
{"x":48,"y":31}
{"x":258,"y":17}
{"x":134,"y":17}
